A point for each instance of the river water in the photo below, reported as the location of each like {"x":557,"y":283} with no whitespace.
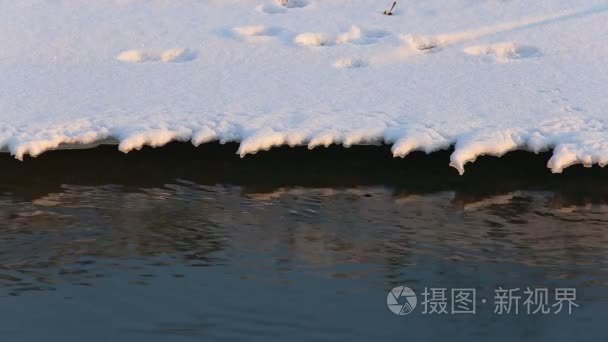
{"x":184,"y":244}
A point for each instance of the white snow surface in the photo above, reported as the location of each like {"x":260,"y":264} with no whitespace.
{"x":486,"y":76}
{"x":503,"y":51}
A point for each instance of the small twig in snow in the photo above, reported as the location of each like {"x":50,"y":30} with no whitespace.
{"x":390,"y":11}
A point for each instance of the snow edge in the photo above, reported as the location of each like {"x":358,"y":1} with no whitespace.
{"x":571,"y":144}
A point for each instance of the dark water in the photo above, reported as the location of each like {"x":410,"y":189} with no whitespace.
{"x":184,"y":244}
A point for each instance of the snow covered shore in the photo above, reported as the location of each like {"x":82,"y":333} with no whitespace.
{"x":486,"y":76}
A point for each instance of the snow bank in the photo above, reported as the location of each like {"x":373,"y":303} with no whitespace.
{"x":436,"y":75}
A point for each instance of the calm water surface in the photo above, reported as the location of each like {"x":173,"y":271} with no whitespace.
{"x":184,"y":244}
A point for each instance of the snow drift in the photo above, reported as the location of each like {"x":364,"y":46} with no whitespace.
{"x":433,"y":75}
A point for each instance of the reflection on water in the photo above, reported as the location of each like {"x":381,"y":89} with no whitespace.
{"x":187,"y":244}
